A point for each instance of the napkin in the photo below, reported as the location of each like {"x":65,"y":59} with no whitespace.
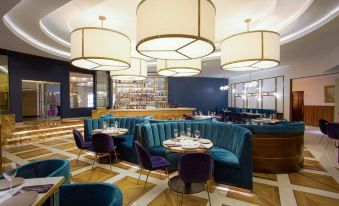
{"x":38,"y":188}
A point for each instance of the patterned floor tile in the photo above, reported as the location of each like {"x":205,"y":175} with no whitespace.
{"x":21,"y":148}
{"x":76,"y":151}
{"x":131,"y":190}
{"x":123,"y":165}
{"x":313,"y":165}
{"x":96,"y":174}
{"x":170,"y":198}
{"x":309,"y":199}
{"x":159,"y":174}
{"x":52,"y":156}
{"x":317,"y":181}
{"x":54,"y":142}
{"x":33,"y":153}
{"x":65,"y":146}
{"x":78,"y":165}
{"x":262,"y":194}
{"x":265,"y":176}
{"x":5,"y":160}
{"x":308,"y":154}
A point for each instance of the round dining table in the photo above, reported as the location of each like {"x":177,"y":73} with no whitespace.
{"x":186,"y":145}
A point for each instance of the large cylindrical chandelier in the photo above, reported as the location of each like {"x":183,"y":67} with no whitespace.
{"x":251,"y":50}
{"x":98,"y":48}
{"x":179,"y":68}
{"x":137,"y":71}
{"x":175,"y":29}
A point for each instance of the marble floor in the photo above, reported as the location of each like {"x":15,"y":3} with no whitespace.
{"x":317,"y":184}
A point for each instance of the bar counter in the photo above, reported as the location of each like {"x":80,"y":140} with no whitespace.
{"x":157,"y":113}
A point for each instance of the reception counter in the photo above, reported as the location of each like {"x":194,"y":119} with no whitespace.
{"x":160,"y":114}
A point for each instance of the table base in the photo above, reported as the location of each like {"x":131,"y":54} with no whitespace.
{"x":188,"y":188}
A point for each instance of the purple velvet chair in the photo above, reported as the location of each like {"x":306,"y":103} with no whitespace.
{"x":195,"y":167}
{"x":332,"y":130}
{"x":322,"y":126}
{"x":81,"y":144}
{"x":149,"y":163}
{"x":103,"y":145}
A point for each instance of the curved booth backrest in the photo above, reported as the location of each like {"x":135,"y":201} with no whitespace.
{"x":152,"y":121}
{"x":229,"y":137}
{"x":124,"y":122}
{"x":287,"y":128}
{"x":45,"y":168}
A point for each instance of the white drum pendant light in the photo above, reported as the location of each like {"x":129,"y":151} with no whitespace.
{"x":137,"y":71}
{"x":251,"y":50}
{"x":175,"y":29}
{"x":97,"y":48}
{"x":179,"y":68}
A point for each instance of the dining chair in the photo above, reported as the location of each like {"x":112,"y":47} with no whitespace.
{"x":149,"y":163}
{"x":332,"y":130}
{"x":103,"y":145}
{"x":81,"y":144}
{"x":322,"y":126}
{"x":195,"y":167}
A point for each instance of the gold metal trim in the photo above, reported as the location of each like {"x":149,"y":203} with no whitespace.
{"x":128,"y":65}
{"x":244,"y":60}
{"x":209,"y":1}
{"x":98,"y":28}
{"x":195,"y":38}
{"x":169,"y":69}
{"x":246,"y":32}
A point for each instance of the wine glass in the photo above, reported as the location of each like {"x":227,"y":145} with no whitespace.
{"x":9,"y":172}
{"x":175,"y":133}
{"x":197,"y":134}
{"x":104,"y":124}
{"x":189,"y":132}
{"x":116,"y":124}
{"x":182,"y":134}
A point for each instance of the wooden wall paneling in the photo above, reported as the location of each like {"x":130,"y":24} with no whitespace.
{"x":312,"y":114}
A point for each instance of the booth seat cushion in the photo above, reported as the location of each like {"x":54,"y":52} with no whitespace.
{"x":159,"y":151}
{"x":224,"y":157}
{"x":127,"y":138}
{"x":283,"y":128}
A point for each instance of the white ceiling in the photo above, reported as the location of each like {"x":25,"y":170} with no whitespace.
{"x":42,"y":27}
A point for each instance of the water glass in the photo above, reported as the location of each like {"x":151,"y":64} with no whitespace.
{"x":175,"y":133}
{"x":182,"y":134}
{"x":116,"y":124}
{"x":197,"y":134}
{"x":104,"y":125}
{"x":9,"y":172}
{"x":189,"y":132}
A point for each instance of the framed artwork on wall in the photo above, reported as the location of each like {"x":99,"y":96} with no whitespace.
{"x":329,"y":92}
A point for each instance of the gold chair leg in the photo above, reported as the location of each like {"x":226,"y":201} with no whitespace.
{"x":328,"y":141}
{"x":116,"y":156}
{"x":78,"y":157}
{"x":167,"y":174}
{"x":146,"y":179}
{"x":321,"y":139}
{"x":139,"y":175}
{"x":208,"y":193}
{"x":95,"y":158}
{"x":110,"y":161}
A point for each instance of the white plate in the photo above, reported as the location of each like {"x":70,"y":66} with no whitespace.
{"x":204,"y":141}
{"x":168,"y":142}
{"x":97,"y":130}
{"x":189,"y":146}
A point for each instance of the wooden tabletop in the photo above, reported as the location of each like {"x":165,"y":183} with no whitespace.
{"x":42,"y":197}
{"x":112,"y":132}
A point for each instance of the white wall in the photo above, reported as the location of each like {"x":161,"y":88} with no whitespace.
{"x":302,"y":68}
{"x":313,"y":88}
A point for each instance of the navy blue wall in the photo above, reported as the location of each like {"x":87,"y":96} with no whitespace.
{"x":198,"y":92}
{"x":29,"y":67}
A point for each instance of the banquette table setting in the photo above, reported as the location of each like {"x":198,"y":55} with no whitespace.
{"x":185,"y":143}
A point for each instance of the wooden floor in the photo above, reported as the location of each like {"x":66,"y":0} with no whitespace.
{"x":316,"y":185}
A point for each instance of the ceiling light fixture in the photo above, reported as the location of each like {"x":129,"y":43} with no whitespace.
{"x":251,"y":50}
{"x":179,"y":68}
{"x":96,"y":48}
{"x":175,"y":29}
{"x":137,"y":71}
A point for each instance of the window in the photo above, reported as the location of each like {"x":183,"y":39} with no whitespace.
{"x":81,"y":90}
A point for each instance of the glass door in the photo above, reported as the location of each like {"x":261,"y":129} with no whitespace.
{"x":40,"y":100}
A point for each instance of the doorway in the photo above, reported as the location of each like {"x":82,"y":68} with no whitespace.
{"x":40,"y":100}
{"x":298,"y":106}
